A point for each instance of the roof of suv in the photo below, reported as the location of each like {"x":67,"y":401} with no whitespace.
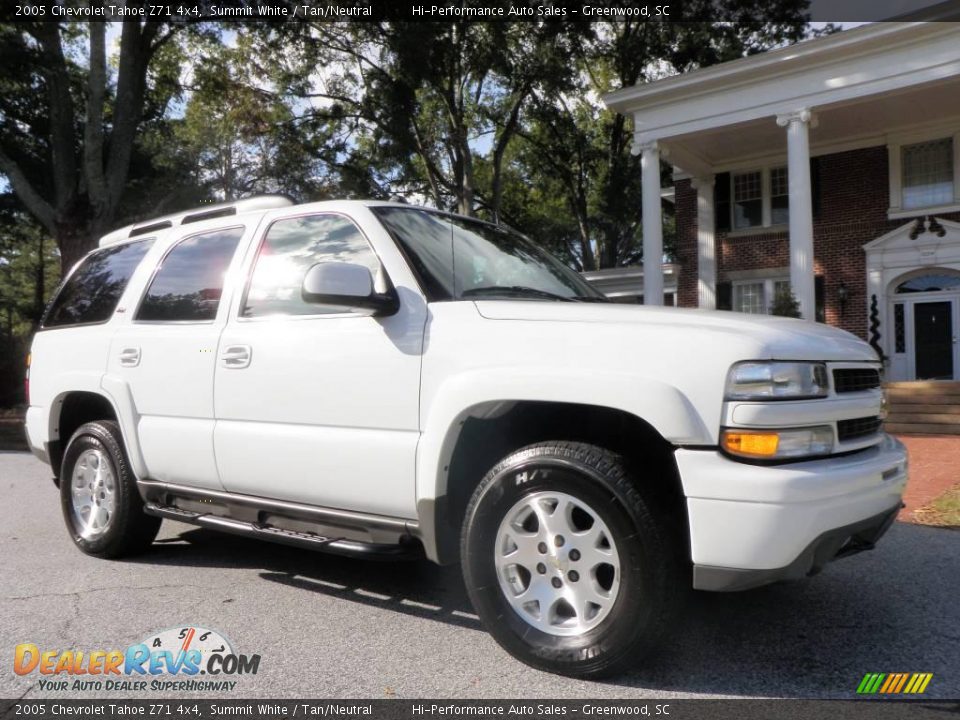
{"x":233,"y":208}
{"x":225,"y":209}
{"x":206,"y":212}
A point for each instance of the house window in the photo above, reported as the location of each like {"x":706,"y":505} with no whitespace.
{"x":758,"y":296}
{"x":780,"y":286}
{"x":927,"y":170}
{"x":748,"y":199}
{"x":930,"y":282}
{"x":779,"y":196}
{"x":749,"y":297}
{"x":753,"y":199}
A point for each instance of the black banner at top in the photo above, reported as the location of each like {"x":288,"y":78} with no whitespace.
{"x":473,"y":10}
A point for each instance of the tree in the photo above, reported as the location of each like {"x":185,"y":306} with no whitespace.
{"x":237,"y":134}
{"x":67,"y":131}
{"x":785,"y":303}
{"x":29,"y":269}
{"x":574,"y":141}
{"x":427,"y":102}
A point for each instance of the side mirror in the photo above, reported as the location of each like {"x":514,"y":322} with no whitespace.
{"x":346,"y":284}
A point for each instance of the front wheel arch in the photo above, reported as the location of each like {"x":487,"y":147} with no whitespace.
{"x":488,"y":432}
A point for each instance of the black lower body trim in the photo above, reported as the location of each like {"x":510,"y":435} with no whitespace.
{"x":831,"y":545}
{"x":410,"y":549}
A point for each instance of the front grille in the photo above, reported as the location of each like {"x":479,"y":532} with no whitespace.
{"x":858,"y":428}
{"x":852,"y":380}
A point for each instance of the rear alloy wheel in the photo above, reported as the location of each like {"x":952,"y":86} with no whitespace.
{"x":101,"y":505}
{"x":93,"y":494}
{"x":567,"y":562}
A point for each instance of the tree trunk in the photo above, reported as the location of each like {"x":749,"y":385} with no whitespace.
{"x":75,"y":241}
{"x":39,"y":290}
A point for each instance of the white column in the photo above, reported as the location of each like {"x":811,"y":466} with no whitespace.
{"x":706,"y":244}
{"x":801,"y":209}
{"x":652,"y":225}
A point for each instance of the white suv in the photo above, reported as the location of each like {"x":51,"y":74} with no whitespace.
{"x":381,"y":380}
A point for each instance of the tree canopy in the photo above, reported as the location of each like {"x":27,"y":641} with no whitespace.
{"x":104,"y":124}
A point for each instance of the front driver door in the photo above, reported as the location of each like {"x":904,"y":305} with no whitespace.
{"x":318,"y":404}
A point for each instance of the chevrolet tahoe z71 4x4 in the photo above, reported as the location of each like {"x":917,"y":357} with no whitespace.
{"x":376,"y":379}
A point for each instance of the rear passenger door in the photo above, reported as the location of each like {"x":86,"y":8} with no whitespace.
{"x":166,"y":350}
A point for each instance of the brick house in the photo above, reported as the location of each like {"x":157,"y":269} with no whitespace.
{"x":832,"y":168}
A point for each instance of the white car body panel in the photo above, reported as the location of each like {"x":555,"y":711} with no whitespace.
{"x":363,"y":413}
{"x":321,"y":391}
{"x":171,"y":386}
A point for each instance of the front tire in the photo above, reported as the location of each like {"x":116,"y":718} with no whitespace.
{"x":101,"y":506}
{"x":568,"y":562}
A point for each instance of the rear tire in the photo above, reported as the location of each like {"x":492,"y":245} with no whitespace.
{"x":569,"y":562}
{"x":101,"y":505}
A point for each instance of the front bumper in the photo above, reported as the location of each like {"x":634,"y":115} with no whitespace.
{"x":755,"y":524}
{"x":831,"y":545}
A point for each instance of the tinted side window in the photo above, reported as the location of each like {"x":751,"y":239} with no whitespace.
{"x":293,"y":246}
{"x":189,"y":282}
{"x":91,"y":294}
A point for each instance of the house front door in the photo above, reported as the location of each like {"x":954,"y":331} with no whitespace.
{"x":934,"y":339}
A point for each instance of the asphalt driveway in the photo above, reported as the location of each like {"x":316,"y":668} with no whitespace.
{"x":332,"y":627}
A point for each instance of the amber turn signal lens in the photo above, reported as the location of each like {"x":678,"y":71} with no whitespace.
{"x":751,"y":444}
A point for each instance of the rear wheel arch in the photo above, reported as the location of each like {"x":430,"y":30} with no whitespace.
{"x":69,"y":411}
{"x":486,"y":433}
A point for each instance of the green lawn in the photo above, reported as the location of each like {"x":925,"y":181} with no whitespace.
{"x":942,"y":512}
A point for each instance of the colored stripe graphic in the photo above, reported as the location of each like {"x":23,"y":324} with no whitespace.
{"x":894,"y":683}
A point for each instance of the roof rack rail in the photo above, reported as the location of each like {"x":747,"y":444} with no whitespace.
{"x":208,"y":215}
{"x":198,"y":214}
{"x":144,"y":229}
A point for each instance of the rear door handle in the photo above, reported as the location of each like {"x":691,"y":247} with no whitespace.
{"x":235,"y":357}
{"x":130,"y":357}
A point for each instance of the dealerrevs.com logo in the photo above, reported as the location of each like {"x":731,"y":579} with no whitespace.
{"x":187,"y":659}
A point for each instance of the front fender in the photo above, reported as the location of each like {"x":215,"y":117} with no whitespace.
{"x":660,"y":404}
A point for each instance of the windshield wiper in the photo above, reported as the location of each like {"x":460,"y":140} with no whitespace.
{"x":520,"y":290}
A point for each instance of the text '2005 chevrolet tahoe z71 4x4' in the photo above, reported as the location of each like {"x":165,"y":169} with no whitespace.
{"x":376,"y":379}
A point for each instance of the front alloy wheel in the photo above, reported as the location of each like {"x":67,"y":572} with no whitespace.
{"x":568,"y":561}
{"x":557,"y":563}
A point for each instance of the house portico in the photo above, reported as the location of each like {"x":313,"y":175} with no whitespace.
{"x":797,"y":164}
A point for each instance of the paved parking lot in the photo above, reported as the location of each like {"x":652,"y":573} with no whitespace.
{"x":328,"y":627}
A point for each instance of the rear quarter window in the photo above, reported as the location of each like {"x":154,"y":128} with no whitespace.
{"x":91,"y":293}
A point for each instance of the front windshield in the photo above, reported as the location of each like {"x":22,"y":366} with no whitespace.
{"x":457,"y":258}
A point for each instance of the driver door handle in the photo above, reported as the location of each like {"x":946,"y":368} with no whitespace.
{"x":235,"y":357}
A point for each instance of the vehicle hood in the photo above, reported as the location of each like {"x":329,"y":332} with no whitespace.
{"x":768,"y":337}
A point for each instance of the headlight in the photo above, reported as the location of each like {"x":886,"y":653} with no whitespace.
{"x":758,"y":380}
{"x":778,"y":444}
